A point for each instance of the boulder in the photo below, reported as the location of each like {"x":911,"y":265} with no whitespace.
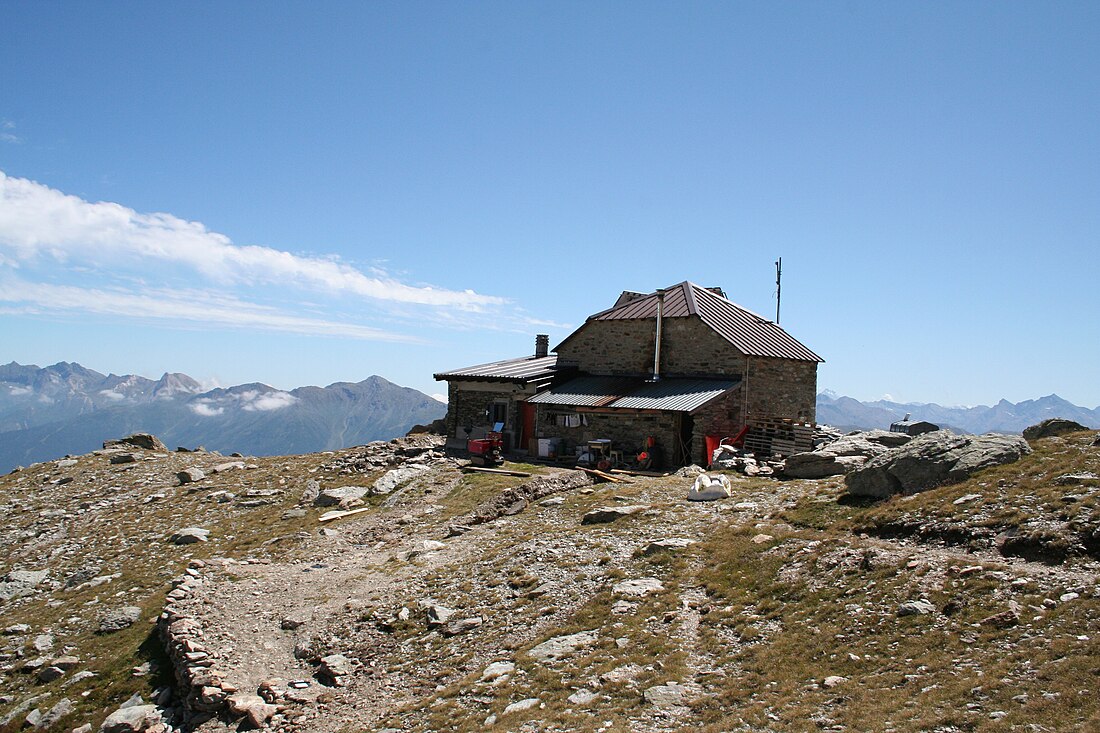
{"x":605,"y":514}
{"x":638,"y":587}
{"x":390,"y":480}
{"x":670,"y":695}
{"x":339,"y":495}
{"x":820,"y":464}
{"x":253,"y":708}
{"x":887,"y":438}
{"x":190,"y":475}
{"x":710,"y":487}
{"x":438,"y":615}
{"x":138,"y":440}
{"x":496,"y":670}
{"x":335,"y":667}
{"x":462,"y":625}
{"x":670,"y":544}
{"x":521,"y":705}
{"x":311,"y":492}
{"x":62,"y":709}
{"x":931,"y":460}
{"x":189,"y":535}
{"x":17,"y":583}
{"x":119,"y":619}
{"x":919,"y":607}
{"x":841,"y":456}
{"x":133,"y":719}
{"x":1052,"y":426}
{"x":560,"y":647}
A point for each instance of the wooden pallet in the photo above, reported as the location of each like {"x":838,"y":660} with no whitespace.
{"x":779,"y":436}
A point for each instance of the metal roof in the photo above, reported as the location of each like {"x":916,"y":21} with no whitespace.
{"x":522,"y":370}
{"x":675,"y":395}
{"x":750,"y":333}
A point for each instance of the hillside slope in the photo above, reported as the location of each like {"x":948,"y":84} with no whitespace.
{"x":468,"y":602}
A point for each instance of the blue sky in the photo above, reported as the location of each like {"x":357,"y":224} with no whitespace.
{"x":316,"y":192}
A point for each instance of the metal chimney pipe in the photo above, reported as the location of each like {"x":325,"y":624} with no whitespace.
{"x":657,"y":347}
{"x":542,"y":345}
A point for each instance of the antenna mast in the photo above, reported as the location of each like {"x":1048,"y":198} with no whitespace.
{"x":778,"y":287}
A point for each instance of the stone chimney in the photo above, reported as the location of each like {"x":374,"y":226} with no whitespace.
{"x":542,"y":345}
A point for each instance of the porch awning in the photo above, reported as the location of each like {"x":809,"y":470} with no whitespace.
{"x":668,"y":394}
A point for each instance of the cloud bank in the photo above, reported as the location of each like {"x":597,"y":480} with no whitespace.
{"x":250,"y":400}
{"x":38,"y":222}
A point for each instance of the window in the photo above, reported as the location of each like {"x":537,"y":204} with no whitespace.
{"x":498,"y":413}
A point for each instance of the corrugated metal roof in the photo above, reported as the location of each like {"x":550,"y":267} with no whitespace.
{"x":675,"y":395}
{"x":678,"y":395}
{"x":524,"y":369}
{"x":750,"y":333}
{"x":586,"y":391}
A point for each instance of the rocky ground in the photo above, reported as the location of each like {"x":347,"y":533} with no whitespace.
{"x":470,"y":601}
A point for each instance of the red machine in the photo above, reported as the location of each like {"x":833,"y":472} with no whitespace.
{"x":487,"y":451}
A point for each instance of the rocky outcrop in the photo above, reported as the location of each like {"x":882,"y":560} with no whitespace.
{"x":137,"y":440}
{"x":1053,"y":426}
{"x":931,"y":460}
{"x":843,"y":455}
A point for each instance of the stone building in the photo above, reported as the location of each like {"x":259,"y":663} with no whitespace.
{"x":668,"y":369}
{"x":484,"y":396}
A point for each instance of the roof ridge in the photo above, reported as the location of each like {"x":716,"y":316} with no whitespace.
{"x":689,"y":296}
{"x":713,"y":294}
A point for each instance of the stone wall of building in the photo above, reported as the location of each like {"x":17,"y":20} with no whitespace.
{"x":626,"y":430}
{"x":467,"y":402}
{"x":625,"y":347}
{"x":722,"y":418}
{"x":780,"y":388}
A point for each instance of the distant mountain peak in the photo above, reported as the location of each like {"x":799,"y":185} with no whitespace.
{"x":1002,"y":417}
{"x":66,"y":408}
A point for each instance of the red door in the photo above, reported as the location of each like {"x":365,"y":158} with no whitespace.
{"x":527,"y":433}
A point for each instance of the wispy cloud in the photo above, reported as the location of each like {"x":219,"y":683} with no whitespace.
{"x":161,"y":305}
{"x":249,"y":400}
{"x":54,"y":245}
{"x":41,"y":223}
{"x":7,"y":132}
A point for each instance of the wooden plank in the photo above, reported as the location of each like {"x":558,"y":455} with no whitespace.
{"x":653,"y":474}
{"x":604,"y":476}
{"x":501,"y":471}
{"x":329,"y":516}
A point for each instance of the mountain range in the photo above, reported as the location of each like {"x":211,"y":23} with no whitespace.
{"x":1004,"y":417}
{"x":67,"y":408}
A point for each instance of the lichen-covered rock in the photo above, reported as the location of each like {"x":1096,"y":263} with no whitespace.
{"x":844,"y":455}
{"x":560,"y":647}
{"x":1052,"y":426}
{"x":931,"y":460}
{"x":605,"y":514}
{"x":133,"y":719}
{"x":138,"y":440}
{"x":118,"y":619}
{"x":339,"y":495}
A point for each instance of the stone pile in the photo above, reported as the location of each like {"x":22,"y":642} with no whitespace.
{"x":516,"y":499}
{"x":201,"y":687}
{"x":729,"y":458}
{"x":381,"y":455}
